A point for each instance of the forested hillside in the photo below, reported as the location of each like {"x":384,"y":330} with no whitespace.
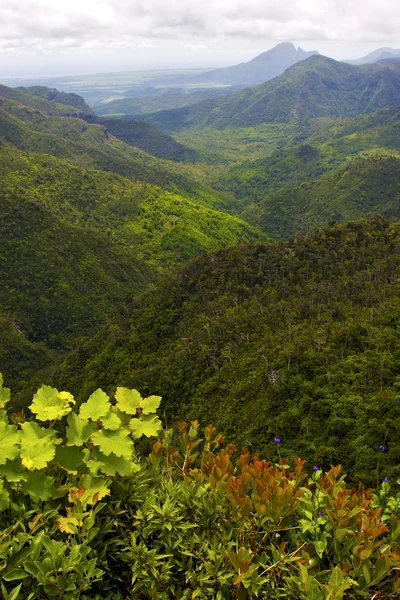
{"x":60,"y":97}
{"x":291,"y":177}
{"x":298,"y":332}
{"x":87,"y":222}
{"x":316,"y":87}
{"x":296,"y":340}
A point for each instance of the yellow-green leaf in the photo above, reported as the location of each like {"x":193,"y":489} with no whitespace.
{"x":148,"y":425}
{"x":116,"y":442}
{"x":78,"y":430}
{"x":151,"y":404}
{"x":111,"y":464}
{"x":37,"y":445}
{"x":9,"y":442}
{"x":96,"y":407}
{"x":111,"y":421}
{"x":49,"y":404}
{"x":128,"y":400}
{"x":4,"y":393}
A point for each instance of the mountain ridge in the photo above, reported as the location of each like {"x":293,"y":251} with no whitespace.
{"x":318,"y":86}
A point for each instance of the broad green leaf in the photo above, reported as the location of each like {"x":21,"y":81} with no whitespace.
{"x":4,"y":393}
{"x":123,"y":417}
{"x":49,"y":404}
{"x":111,"y":421}
{"x":37,"y":445}
{"x":148,"y":425}
{"x":78,"y":430}
{"x":31,"y":431}
{"x":97,"y":406}
{"x":117,"y":442}
{"x":4,"y":497}
{"x":151,"y":404}
{"x":13,"y":471}
{"x":39,"y":487}
{"x":111,"y":464}
{"x":3,"y":416}
{"x":9,"y":442}
{"x":69,"y":458}
{"x":128,"y":400}
{"x":91,"y":491}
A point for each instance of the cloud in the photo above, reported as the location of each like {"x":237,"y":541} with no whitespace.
{"x":42,"y":25}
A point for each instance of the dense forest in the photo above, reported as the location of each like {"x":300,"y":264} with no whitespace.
{"x":302,"y":334}
{"x":238,"y":256}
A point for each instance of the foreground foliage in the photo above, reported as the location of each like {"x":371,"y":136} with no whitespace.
{"x":83,"y":516}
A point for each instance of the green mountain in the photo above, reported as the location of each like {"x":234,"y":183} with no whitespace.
{"x":47,"y":93}
{"x":297,"y":339}
{"x":79,"y":240}
{"x":316,"y":87}
{"x":135,"y":133}
{"x":33,"y":124}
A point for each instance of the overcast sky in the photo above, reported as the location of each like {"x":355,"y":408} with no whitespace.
{"x":42,"y":37}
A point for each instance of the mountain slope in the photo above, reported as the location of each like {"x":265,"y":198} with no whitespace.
{"x":343,"y":169}
{"x":143,"y":136}
{"x":316,"y":87}
{"x":33,"y":124}
{"x":134,"y":133}
{"x":79,"y":242}
{"x":57,"y":96}
{"x":297,"y":340}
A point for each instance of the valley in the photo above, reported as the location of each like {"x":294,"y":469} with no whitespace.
{"x":153,"y":201}
{"x":227,"y":242}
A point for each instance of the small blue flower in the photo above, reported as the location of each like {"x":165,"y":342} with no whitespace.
{"x":382,"y":448}
{"x":386,"y":479}
{"x":320,"y":514}
{"x":277,"y":440}
{"x":315,"y":468}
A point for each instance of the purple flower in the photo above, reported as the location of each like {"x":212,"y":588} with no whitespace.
{"x":386,"y":479}
{"x":277,"y":440}
{"x":382,"y":448}
{"x":320,"y":514}
{"x":315,"y":468}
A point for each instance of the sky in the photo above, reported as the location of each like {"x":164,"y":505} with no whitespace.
{"x":61,"y":37}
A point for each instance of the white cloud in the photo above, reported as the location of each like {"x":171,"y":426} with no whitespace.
{"x":206,"y":27}
{"x":38,"y":23}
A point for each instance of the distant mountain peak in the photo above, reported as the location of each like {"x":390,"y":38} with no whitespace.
{"x":376,"y":55}
{"x":261,"y":68}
